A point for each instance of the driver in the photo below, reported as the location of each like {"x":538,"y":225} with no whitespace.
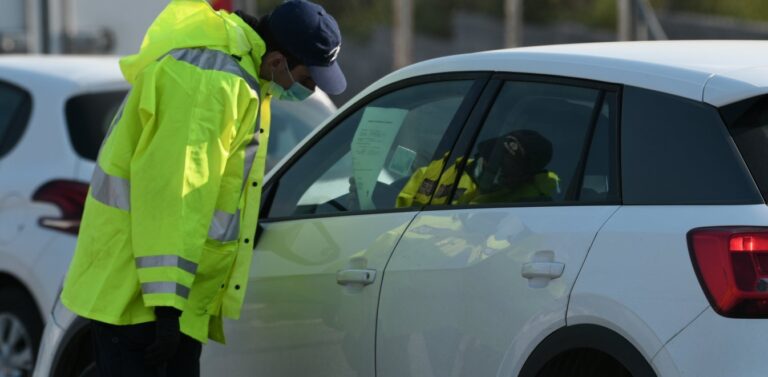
{"x":507,"y":169}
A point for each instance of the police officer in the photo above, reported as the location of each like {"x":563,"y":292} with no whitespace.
{"x":167,"y":234}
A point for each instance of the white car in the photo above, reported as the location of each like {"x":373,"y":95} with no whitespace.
{"x":53,"y":115}
{"x":577,"y":210}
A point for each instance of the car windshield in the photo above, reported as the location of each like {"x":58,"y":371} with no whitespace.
{"x":748,"y":125}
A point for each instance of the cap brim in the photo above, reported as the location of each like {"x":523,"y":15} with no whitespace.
{"x":330,"y":79}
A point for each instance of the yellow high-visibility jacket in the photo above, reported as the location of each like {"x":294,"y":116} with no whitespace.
{"x":173,"y":205}
{"x":424,"y":181}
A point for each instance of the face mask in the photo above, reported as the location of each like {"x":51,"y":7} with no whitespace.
{"x":296,"y":92}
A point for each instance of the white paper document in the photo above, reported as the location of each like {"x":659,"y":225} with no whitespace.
{"x":370,"y":146}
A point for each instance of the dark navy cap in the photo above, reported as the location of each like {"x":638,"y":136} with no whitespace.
{"x":306,"y":31}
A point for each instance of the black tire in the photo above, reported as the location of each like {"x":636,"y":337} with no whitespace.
{"x":584,"y":363}
{"x":20,"y":330}
{"x":89,"y":371}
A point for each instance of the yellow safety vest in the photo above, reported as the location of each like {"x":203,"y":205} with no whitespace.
{"x":426,"y":180}
{"x":173,"y":205}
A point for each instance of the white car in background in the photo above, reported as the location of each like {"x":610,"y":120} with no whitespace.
{"x":632,"y":241}
{"x":53,"y":115}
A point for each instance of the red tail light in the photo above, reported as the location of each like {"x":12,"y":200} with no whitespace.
{"x":69,"y":197}
{"x":732,"y":266}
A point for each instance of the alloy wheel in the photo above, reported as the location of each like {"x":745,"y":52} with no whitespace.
{"x":16,"y":353}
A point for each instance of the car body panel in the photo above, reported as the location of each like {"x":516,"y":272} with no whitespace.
{"x":454,"y":302}
{"x":41,"y":72}
{"x":737,"y":347}
{"x":51,"y":263}
{"x":639,"y":268}
{"x":665,"y":365}
{"x":297,"y":319}
{"x":736,"y":86}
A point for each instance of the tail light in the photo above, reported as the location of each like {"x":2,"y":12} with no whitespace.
{"x":69,"y":197}
{"x":732,"y":266}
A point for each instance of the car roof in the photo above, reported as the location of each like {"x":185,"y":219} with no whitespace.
{"x":80,"y":71}
{"x":716,"y":72}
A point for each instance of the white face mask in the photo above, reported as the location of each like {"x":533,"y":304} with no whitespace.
{"x":296,"y":92}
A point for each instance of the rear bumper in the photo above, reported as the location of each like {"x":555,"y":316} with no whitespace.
{"x":715,"y":346}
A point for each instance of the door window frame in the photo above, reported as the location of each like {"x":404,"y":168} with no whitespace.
{"x":455,"y":129}
{"x":489,"y":97}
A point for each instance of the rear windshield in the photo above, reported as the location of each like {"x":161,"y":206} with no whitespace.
{"x":88,"y":119}
{"x":748,"y":124}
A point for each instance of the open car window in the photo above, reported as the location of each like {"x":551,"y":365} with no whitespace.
{"x":364,"y":163}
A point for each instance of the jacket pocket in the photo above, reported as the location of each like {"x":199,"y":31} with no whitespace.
{"x":212,"y":275}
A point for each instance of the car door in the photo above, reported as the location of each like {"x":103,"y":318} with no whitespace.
{"x":330,"y":223}
{"x":477,"y":281}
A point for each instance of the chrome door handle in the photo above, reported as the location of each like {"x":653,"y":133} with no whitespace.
{"x":355,"y":276}
{"x":545,"y":270}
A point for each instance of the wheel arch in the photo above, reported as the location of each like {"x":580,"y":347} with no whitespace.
{"x":587,"y":336}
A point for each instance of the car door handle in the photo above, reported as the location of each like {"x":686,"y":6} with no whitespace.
{"x":356,"y":276}
{"x":546,"y":270}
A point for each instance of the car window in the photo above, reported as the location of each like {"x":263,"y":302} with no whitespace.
{"x":288,"y":133}
{"x":530,"y":146}
{"x":15,"y":109}
{"x":748,"y":124}
{"x":89,"y":117}
{"x":678,"y":151}
{"x":363,"y":163}
{"x":292,"y":122}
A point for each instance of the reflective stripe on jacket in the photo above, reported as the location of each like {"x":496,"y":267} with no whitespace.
{"x":174,"y":200}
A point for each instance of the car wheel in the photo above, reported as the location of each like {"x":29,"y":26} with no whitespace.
{"x":20,"y":331}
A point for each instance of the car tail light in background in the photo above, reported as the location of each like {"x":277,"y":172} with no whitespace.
{"x":732,"y":266}
{"x":69,"y":197}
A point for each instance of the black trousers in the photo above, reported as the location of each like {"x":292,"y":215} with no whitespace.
{"x":119,"y":352}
